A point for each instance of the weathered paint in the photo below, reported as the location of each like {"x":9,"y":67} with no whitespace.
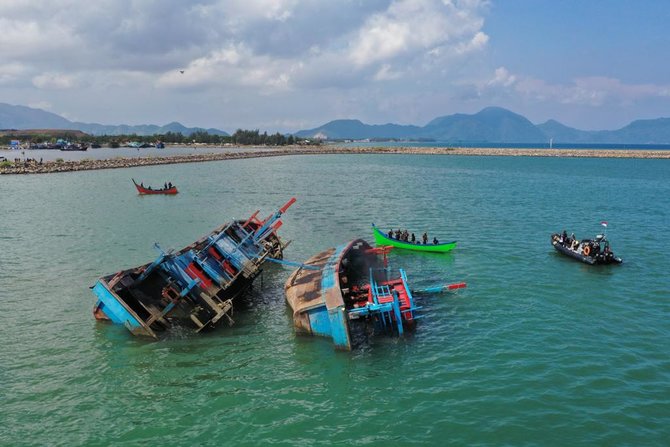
{"x":332,"y":296}
{"x":319,"y":321}
{"x":329,"y":276}
{"x":339,"y":327}
{"x":116,"y":311}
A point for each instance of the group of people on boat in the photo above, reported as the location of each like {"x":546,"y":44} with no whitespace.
{"x":406,"y":236}
{"x":597,"y":248}
{"x":166,"y":186}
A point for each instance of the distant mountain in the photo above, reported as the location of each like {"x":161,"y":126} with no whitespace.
{"x":354,"y":129}
{"x":491,"y":125}
{"x":496,"y":125}
{"x":21,"y":117}
{"x":653,"y":131}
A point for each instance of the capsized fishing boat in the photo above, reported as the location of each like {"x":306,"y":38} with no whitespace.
{"x":588,"y":251}
{"x":383,"y":239}
{"x":195,"y":286}
{"x":142,"y":190}
{"x":343,"y":285}
{"x":344,"y":291}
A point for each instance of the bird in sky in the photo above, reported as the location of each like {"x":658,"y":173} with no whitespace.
{"x":181,"y":71}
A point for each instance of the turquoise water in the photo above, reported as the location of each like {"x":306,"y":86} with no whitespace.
{"x":539,"y":349}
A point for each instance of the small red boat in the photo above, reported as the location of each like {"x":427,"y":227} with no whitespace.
{"x":149,"y":190}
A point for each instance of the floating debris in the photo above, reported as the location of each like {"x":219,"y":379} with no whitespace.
{"x":195,"y":286}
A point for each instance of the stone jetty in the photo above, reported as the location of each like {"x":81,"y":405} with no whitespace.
{"x":127,"y":162}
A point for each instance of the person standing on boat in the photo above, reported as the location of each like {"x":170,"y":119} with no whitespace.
{"x":413,"y":238}
{"x":425,"y":238}
{"x":391,"y":233}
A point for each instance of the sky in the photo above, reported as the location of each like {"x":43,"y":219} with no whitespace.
{"x":288,"y":65}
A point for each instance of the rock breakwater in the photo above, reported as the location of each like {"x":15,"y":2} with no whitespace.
{"x":127,"y":162}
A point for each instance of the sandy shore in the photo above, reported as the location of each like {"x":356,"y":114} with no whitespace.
{"x":115,"y":163}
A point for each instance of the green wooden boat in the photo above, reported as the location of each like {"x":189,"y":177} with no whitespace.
{"x":383,"y":239}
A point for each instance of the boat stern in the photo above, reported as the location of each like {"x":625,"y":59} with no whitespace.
{"x":110,"y":307}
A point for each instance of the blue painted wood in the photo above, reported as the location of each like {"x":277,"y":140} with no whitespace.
{"x":319,"y":321}
{"x":339,"y":327}
{"x":396,"y":312}
{"x":213,"y":272}
{"x":114,"y":310}
{"x":230,"y":251}
{"x":329,"y":275}
{"x":151,"y":267}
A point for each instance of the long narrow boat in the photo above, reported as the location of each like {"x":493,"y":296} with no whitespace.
{"x":383,"y":239}
{"x":341,"y":291}
{"x":148,"y":191}
{"x":195,"y":286}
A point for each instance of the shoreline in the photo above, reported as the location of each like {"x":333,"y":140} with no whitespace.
{"x":128,"y":162}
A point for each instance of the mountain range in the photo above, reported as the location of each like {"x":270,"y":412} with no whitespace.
{"x":21,"y":118}
{"x":490,"y":125}
{"x":496,"y":125}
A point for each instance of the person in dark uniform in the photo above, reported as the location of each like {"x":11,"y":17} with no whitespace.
{"x":425,"y":238}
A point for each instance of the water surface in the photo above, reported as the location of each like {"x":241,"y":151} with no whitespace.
{"x":539,"y":349}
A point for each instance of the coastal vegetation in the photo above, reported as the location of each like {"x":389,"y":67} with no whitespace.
{"x":241,"y":137}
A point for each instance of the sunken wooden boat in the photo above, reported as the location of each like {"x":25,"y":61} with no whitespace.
{"x":142,"y":190}
{"x":383,"y":239}
{"x":194,"y":287}
{"x":341,"y":291}
{"x":589,"y":251}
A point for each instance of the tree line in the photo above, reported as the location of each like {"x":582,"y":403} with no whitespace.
{"x":240,"y":137}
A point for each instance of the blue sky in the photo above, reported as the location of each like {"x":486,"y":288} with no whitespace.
{"x":286,"y":65}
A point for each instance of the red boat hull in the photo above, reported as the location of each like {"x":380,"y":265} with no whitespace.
{"x":142,"y":190}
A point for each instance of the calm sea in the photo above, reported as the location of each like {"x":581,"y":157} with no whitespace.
{"x":538,"y":350}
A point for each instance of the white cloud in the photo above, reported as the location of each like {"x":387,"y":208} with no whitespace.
{"x":410,"y":27}
{"x":29,"y":40}
{"x":592,"y":91}
{"x":385,"y":73}
{"x":54,"y":81}
{"x":12,"y":72}
{"x":44,"y":105}
{"x":502,"y":77}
